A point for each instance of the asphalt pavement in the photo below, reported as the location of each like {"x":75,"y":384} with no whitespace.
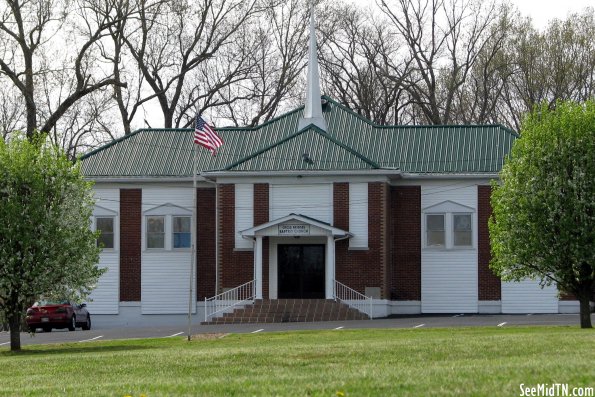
{"x":414,"y":321}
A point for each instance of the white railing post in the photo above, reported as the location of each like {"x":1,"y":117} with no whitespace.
{"x":353,"y":299}
{"x":228,"y":299}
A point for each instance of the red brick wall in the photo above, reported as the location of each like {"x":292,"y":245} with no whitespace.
{"x":489,"y":283}
{"x":405,"y":283}
{"x":261,"y":215}
{"x":360,"y":269}
{"x":130,"y":244}
{"x":205,"y":246}
{"x":235,"y":267}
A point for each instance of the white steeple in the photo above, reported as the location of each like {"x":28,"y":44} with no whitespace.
{"x":313,"y":105}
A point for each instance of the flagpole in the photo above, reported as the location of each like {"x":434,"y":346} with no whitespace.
{"x":193,"y":237}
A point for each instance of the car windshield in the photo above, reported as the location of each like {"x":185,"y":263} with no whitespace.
{"x":50,"y":302}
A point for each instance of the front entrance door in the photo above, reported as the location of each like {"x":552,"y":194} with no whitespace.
{"x":301,"y":271}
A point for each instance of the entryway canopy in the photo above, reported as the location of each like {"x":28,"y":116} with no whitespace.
{"x":296,"y":225}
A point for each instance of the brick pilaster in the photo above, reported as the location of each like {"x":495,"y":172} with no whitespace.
{"x":406,"y":243}
{"x":130,"y":246}
{"x":489,"y":284}
{"x":205,"y":245}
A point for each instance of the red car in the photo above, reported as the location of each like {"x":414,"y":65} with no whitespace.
{"x":48,"y":314}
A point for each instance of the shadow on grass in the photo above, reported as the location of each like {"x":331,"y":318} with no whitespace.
{"x":73,"y":349}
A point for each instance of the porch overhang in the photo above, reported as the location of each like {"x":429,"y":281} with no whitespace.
{"x":295,"y":225}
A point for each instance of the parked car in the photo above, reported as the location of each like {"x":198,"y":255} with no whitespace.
{"x":48,"y":314}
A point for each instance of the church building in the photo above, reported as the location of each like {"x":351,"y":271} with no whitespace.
{"x":316,"y":205}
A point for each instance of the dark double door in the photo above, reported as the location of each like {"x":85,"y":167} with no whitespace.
{"x":300,"y":271}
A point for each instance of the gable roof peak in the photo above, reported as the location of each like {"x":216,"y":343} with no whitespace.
{"x":313,"y":105}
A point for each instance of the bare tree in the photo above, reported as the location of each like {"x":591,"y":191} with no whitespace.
{"x":444,"y":39}
{"x":11,"y":110}
{"x":361,"y":65}
{"x":30,"y":30}
{"x":479,"y":101}
{"x":556,"y":64}
{"x":170,"y":39}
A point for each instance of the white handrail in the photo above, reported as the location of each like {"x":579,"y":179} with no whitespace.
{"x":353,"y":299}
{"x":226,"y":300}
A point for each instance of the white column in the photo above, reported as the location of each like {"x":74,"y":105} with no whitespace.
{"x":258,"y":268}
{"x":330,"y":267}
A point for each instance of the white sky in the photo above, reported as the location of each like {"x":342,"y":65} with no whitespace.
{"x":542,"y":11}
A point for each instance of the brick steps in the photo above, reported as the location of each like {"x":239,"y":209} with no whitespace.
{"x":289,"y":310}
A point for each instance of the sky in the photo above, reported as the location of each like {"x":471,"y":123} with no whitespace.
{"x":542,"y":11}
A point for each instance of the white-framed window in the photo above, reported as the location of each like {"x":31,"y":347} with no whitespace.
{"x":105,"y":221}
{"x":105,"y":226}
{"x":155,"y":232}
{"x":448,"y":225}
{"x":167,"y":227}
{"x":462,"y":230}
{"x":435,"y":231}
{"x":181,"y":232}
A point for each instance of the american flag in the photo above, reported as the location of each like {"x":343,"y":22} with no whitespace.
{"x":204,"y":135}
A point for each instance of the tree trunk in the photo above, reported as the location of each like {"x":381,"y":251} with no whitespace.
{"x":14,"y":322}
{"x":584,"y":298}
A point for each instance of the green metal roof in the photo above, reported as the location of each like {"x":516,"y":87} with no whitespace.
{"x":308,"y":149}
{"x":351,"y":143}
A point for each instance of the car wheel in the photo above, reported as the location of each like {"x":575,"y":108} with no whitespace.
{"x":47,"y":329}
{"x":72,"y":325}
{"x":87,"y":325}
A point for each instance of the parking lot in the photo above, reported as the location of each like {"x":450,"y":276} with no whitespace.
{"x":417,"y":321}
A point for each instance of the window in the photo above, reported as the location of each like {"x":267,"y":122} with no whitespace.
{"x":462,"y":230}
{"x":155,"y":232}
{"x":448,"y":225}
{"x":181,"y":231}
{"x":435,"y":230}
{"x":106,"y":228}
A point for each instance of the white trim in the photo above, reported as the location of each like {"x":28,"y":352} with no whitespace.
{"x":252,"y":232}
{"x":243,"y":213}
{"x":448,"y":206}
{"x":448,"y":232}
{"x":491,"y":175}
{"x":102,"y":212}
{"x":358,"y":215}
{"x":168,"y":209}
{"x":116,"y":226}
{"x":379,"y":171}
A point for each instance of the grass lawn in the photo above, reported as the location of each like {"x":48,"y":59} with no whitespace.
{"x":412,"y":362}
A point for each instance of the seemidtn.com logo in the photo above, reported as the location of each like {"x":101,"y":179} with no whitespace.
{"x":555,"y":390}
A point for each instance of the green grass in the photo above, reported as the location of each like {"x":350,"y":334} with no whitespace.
{"x":420,"y":362}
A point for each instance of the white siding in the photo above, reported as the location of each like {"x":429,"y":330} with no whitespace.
{"x":106,"y":296}
{"x":165,"y":273}
{"x":449,"y":276}
{"x":244,"y":212}
{"x":527,"y":296}
{"x":449,"y":282}
{"x":315,"y":201}
{"x":165,"y":283}
{"x":358,"y":215}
